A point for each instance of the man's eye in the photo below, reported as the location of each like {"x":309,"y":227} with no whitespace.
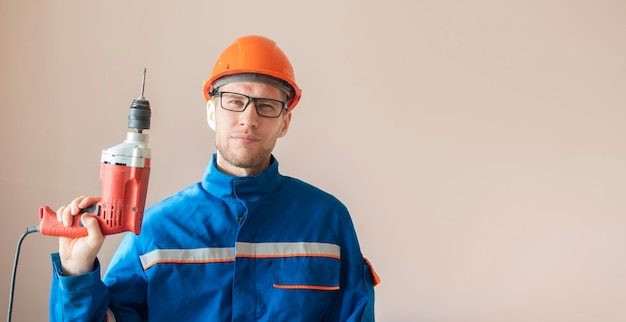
{"x":234,"y":101}
{"x":267,"y":106}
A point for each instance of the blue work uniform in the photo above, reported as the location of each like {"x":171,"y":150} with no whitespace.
{"x":260,"y":248}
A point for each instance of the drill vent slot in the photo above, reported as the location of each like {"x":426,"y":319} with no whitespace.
{"x":112,"y":216}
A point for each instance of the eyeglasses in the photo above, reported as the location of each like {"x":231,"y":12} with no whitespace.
{"x":265,"y":107}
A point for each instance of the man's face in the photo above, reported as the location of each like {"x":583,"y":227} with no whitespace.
{"x":245,"y":140}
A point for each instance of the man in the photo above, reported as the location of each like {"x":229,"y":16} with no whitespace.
{"x":244,"y":244}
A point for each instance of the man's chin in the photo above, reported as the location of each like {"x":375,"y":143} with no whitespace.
{"x":245,"y":159}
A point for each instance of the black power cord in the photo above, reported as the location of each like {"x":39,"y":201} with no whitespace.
{"x":29,"y":230}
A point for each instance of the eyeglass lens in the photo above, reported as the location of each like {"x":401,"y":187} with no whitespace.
{"x":238,"y":103}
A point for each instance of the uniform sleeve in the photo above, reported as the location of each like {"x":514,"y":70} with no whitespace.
{"x":119,"y":296}
{"x":357,"y":280}
{"x":77,"y":298}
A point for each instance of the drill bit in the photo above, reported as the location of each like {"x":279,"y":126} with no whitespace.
{"x":143,"y":83}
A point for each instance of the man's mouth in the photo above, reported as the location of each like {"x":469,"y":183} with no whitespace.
{"x":244,"y":138}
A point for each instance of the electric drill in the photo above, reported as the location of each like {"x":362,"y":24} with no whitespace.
{"x":124,"y":173}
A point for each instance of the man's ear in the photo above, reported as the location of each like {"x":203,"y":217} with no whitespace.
{"x":210,"y":113}
{"x":286,"y":122}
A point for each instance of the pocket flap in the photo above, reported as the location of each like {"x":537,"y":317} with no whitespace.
{"x":307,"y":273}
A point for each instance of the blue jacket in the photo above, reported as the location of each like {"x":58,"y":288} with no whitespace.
{"x":262,"y":248}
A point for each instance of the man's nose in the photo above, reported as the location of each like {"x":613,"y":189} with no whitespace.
{"x":249,"y":116}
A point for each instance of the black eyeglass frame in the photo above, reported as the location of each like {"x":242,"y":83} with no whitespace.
{"x":283,"y":106}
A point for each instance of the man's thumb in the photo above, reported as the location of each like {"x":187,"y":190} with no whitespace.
{"x":91,"y":223}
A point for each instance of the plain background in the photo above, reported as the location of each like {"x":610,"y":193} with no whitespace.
{"x":480,"y":145}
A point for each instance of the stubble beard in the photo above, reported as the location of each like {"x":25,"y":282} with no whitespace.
{"x":244,"y":157}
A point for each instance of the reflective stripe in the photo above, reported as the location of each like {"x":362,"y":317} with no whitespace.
{"x":307,"y":287}
{"x":274,"y":250}
{"x":247,"y":250}
{"x":200,"y":255}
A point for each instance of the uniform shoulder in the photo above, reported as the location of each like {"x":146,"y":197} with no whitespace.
{"x":299,"y":188}
{"x":174,"y":201}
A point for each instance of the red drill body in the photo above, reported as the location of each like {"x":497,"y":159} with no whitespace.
{"x":122,"y":205}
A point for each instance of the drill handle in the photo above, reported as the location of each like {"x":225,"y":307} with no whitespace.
{"x":49,"y":225}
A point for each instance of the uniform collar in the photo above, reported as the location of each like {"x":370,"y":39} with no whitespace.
{"x":250,"y":188}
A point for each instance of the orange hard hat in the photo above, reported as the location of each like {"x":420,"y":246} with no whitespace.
{"x":255,"y":56}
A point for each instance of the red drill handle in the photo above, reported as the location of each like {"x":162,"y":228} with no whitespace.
{"x":49,"y":225}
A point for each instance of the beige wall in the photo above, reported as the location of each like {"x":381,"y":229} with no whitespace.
{"x":480,"y":145}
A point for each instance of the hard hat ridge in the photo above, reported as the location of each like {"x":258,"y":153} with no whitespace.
{"x":254,"y":78}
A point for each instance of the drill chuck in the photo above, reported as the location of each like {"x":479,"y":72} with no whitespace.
{"x":139,"y":114}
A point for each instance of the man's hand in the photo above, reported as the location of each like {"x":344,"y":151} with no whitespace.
{"x":78,"y":255}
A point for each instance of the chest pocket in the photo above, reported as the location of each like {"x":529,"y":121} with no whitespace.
{"x":307,"y":273}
